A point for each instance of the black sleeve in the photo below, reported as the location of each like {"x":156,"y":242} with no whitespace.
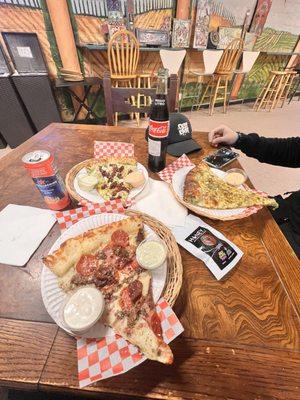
{"x":284,"y":152}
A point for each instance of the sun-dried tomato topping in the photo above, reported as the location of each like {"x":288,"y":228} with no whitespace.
{"x":125,"y":300}
{"x":120,"y":238}
{"x":134,"y":264}
{"x":135,"y":290}
{"x":156,"y":324}
{"x":87,"y":265}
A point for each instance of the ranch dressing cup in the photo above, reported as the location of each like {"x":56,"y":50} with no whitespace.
{"x":151,"y":254}
{"x":83,"y":309}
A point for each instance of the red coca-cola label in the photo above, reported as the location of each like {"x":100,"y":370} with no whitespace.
{"x":159,"y":129}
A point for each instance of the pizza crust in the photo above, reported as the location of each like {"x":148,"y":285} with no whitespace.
{"x":69,"y":253}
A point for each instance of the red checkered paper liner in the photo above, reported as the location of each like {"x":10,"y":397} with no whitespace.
{"x":67,"y":218}
{"x":116,"y":149}
{"x":167,"y":173}
{"x":112,"y":355}
{"x":128,"y":203}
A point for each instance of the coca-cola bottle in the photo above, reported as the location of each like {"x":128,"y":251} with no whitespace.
{"x":159,"y":125}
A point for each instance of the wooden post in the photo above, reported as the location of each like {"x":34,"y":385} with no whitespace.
{"x":183,"y":9}
{"x":62,"y":28}
{"x":60,"y":19}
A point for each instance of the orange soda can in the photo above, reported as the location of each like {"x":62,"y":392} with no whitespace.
{"x":44,"y":173}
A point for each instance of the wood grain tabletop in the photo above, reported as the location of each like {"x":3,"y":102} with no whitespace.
{"x":242,"y":334}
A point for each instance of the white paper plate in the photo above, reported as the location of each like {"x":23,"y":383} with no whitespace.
{"x":54,"y":297}
{"x":94,"y":196}
{"x":178,"y":180}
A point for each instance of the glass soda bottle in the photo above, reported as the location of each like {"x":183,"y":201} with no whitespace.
{"x":159,"y":124}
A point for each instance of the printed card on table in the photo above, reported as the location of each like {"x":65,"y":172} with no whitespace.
{"x":112,"y":355}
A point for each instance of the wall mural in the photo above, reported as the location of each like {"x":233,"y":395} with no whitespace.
{"x":282,"y":27}
{"x":275,"y":24}
{"x":230,"y":13}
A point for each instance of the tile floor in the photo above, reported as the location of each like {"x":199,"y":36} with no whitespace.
{"x":282,"y":122}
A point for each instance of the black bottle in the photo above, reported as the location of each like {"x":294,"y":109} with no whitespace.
{"x":159,"y":125}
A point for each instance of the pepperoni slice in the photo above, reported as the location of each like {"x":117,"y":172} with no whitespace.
{"x":120,"y":238}
{"x":87,"y":265}
{"x":156,"y":325}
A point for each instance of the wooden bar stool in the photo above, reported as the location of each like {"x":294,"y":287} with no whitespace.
{"x":296,"y":83}
{"x":217,"y":87}
{"x":271,"y":92}
{"x":211,"y":59}
{"x":287,"y":87}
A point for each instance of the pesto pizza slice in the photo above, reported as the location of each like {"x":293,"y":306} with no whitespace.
{"x":204,"y":189}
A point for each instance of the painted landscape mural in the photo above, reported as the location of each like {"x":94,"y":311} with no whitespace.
{"x":274,"y":24}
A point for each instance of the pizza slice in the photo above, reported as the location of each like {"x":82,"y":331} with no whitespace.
{"x":106,"y":259}
{"x":110,"y":172}
{"x":203,"y":188}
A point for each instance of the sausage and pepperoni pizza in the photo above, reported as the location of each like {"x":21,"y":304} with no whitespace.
{"x":105,"y":258}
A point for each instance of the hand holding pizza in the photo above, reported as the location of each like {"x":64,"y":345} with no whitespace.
{"x":222,"y":135}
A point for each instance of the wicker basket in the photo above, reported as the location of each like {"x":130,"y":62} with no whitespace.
{"x":245,"y":213}
{"x":174,"y":263}
{"x":71,"y":177}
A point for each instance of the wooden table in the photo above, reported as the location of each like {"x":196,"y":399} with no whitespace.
{"x":241,"y":338}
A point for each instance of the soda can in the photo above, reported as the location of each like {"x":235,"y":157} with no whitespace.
{"x":43,"y":171}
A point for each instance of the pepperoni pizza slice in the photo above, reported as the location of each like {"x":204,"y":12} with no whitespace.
{"x":111,"y":266}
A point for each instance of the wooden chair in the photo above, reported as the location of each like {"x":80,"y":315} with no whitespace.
{"x":223,"y":73}
{"x":117,"y":99}
{"x":123,"y":56}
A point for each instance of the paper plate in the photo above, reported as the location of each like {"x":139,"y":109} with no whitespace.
{"x":178,"y":180}
{"x":94,"y":196}
{"x":54,"y":297}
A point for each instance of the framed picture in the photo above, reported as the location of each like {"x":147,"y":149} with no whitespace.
{"x":151,"y":37}
{"x":115,"y":26}
{"x":202,"y":24}
{"x":213,"y":40}
{"x":227,"y":35}
{"x":181,"y":32}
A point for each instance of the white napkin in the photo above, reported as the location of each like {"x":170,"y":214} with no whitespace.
{"x":158,"y":201}
{"x":22,"y":229}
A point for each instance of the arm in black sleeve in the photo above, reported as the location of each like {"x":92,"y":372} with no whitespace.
{"x":284,"y":152}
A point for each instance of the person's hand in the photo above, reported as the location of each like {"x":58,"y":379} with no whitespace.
{"x":222,"y":135}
